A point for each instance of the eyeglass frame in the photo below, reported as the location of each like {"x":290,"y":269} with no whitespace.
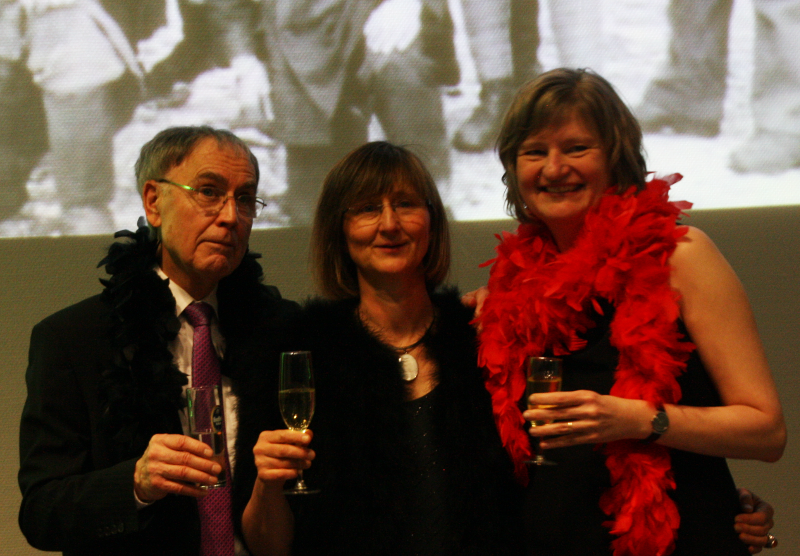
{"x":258,"y":207}
{"x":426,"y":204}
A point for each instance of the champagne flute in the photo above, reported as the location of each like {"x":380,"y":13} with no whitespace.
{"x":296,"y":395}
{"x":543,"y":374}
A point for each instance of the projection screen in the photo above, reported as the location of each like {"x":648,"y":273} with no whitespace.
{"x":86,"y":83}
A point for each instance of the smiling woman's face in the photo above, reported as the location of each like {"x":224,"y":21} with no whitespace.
{"x":395,"y":244}
{"x":562,"y":172}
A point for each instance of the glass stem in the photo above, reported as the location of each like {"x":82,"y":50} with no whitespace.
{"x":300,"y":484}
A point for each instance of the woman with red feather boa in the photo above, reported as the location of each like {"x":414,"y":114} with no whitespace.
{"x":664,"y":372}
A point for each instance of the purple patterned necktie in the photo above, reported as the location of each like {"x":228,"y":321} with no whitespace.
{"x":216,"y":522}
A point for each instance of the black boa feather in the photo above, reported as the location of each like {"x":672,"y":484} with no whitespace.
{"x":140,"y":389}
{"x":359,"y":427}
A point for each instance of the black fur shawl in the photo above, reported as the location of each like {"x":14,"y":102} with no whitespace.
{"x":140,"y":387}
{"x":359,"y":427}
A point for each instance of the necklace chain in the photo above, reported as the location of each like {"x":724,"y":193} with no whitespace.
{"x":409,"y":367}
{"x":405,"y":349}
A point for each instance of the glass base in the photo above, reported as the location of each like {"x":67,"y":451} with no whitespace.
{"x":301,"y":491}
{"x":540,"y":460}
{"x":301,"y":488}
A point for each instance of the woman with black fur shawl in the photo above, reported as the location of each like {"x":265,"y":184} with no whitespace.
{"x":404,"y":449}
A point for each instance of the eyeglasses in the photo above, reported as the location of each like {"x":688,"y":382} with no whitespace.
{"x":370,"y":213}
{"x":212,"y":200}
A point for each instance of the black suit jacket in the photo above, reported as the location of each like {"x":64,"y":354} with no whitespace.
{"x":78,"y":451}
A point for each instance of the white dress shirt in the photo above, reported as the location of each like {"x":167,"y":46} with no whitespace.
{"x":181,"y":348}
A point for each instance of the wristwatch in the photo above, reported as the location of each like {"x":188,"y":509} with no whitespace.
{"x":660,"y":424}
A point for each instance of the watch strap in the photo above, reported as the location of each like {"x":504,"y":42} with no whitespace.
{"x":659,"y":423}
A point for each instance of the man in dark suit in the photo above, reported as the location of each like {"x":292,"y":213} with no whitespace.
{"x":327,"y":80}
{"x":105,"y":466}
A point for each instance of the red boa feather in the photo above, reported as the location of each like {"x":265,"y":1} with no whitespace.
{"x":539,"y":300}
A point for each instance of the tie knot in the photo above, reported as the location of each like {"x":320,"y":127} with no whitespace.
{"x":199,"y":314}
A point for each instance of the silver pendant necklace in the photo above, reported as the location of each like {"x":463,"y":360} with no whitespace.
{"x":409,"y":368}
{"x":408,"y":363}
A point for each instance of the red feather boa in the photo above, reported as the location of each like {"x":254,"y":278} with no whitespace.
{"x":539,"y":301}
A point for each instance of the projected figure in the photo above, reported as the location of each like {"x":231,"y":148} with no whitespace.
{"x":688,"y":93}
{"x":327,"y":80}
{"x":21,"y":108}
{"x":504,"y":39}
{"x":81,"y":59}
{"x":218,"y":34}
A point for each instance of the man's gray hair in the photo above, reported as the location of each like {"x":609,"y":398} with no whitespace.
{"x":170,"y":146}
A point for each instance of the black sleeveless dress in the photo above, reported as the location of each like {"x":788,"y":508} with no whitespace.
{"x":562,"y":514}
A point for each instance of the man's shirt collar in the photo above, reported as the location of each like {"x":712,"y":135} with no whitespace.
{"x":183,"y":299}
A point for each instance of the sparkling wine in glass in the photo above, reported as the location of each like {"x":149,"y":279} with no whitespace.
{"x":296,"y":400}
{"x":206,"y":424}
{"x":543,"y":375}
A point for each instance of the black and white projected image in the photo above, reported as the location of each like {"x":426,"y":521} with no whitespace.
{"x":85,"y":83}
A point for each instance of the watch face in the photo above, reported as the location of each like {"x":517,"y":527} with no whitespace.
{"x":660,"y":423}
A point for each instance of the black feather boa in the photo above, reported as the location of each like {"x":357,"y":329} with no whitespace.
{"x":359,"y":428}
{"x":140,"y":388}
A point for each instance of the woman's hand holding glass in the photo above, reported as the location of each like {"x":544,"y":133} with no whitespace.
{"x":586,"y":417}
{"x":280,"y":455}
{"x":267,"y":522}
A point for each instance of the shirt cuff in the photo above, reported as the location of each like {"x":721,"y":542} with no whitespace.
{"x":139,"y":504}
